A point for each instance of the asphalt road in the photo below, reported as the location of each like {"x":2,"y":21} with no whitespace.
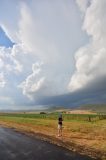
{"x":17,"y":146}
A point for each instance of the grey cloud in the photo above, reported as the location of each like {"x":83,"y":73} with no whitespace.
{"x":91,"y":94}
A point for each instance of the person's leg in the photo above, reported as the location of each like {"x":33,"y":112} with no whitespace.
{"x":59,"y":130}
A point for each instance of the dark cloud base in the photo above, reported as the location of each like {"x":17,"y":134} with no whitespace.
{"x":94,"y":93}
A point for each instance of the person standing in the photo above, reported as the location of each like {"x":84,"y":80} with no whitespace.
{"x":60,"y":119}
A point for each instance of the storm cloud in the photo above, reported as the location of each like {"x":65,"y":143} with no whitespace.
{"x":58,"y":54}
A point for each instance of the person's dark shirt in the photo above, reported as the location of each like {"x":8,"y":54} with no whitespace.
{"x":60,"y":120}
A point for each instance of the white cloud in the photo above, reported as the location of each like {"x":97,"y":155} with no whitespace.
{"x":33,"y":83}
{"x":90,"y":59}
{"x":8,"y":61}
{"x":83,"y":4}
{"x":32,"y":33}
{"x":2,"y":80}
{"x":37,"y":36}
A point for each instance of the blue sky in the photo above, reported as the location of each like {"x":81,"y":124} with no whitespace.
{"x":52,"y":53}
{"x":4,"y":40}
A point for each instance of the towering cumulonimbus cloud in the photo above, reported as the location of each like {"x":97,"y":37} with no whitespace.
{"x":91,"y":58}
{"x":41,"y":33}
{"x":39,"y":68}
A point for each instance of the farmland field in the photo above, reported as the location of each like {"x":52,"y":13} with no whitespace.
{"x":83,"y":133}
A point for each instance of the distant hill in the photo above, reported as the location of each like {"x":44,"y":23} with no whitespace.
{"x":89,"y":107}
{"x":94,"y":107}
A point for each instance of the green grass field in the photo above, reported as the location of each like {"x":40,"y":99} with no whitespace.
{"x":54,"y":116}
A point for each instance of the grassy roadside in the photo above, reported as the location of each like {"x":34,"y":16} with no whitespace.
{"x":81,"y":136}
